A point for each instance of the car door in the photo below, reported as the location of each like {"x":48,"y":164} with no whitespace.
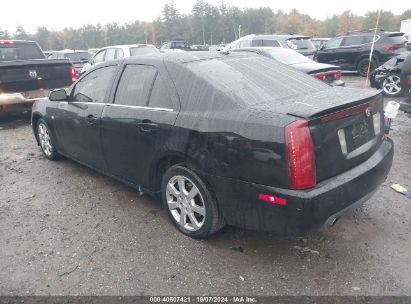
{"x":137,"y":125}
{"x":331,"y":53}
{"x":77,"y":121}
{"x":351,"y":48}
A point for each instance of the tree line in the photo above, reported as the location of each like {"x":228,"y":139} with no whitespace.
{"x":206,"y":24}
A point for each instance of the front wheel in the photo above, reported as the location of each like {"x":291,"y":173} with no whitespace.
{"x":190,"y":203}
{"x":46,"y":141}
{"x":392,"y":86}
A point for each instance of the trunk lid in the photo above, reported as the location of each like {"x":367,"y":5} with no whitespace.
{"x":346,"y":135}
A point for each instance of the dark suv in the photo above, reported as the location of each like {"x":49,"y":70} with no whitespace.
{"x":351,"y":52}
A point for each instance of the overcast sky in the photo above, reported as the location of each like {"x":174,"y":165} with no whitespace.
{"x":75,"y":13}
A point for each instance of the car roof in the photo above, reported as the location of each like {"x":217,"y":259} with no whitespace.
{"x":284,"y":36}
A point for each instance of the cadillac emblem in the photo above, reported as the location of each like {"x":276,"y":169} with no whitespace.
{"x":367,"y":112}
{"x":33,"y":74}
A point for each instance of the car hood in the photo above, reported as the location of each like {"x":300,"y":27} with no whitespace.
{"x":314,"y":67}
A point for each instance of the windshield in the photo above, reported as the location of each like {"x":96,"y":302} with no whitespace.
{"x":288,"y":56}
{"x":78,"y":56}
{"x":18,"y":51}
{"x":300,"y":44}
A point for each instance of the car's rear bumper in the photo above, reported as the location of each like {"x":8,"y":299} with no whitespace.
{"x":19,"y":102}
{"x":304,"y":209}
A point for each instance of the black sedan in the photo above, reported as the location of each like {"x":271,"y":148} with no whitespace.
{"x":264,"y":146}
{"x":388,"y":76}
{"x":328,"y":73}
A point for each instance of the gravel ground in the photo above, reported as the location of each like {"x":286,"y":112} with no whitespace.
{"x":66,"y":230}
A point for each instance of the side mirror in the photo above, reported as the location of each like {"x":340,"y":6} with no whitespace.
{"x":322,"y":47}
{"x":58,"y":95}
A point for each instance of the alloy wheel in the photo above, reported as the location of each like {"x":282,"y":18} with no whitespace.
{"x":185,"y":203}
{"x":392,"y":85}
{"x":45,"y":140}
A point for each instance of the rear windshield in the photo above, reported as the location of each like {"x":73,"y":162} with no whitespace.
{"x":253,"y":79}
{"x":300,"y":44}
{"x":19,"y":51}
{"x":397,"y":39}
{"x":78,"y":56}
{"x":144,"y":50}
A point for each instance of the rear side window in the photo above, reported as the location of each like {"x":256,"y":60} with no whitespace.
{"x":160,"y":98}
{"x":19,"y":51}
{"x":93,"y":87}
{"x":334,"y":43}
{"x":135,"y":85}
{"x":266,"y":42}
{"x":352,"y":40}
{"x":135,"y":51}
{"x":119,"y":53}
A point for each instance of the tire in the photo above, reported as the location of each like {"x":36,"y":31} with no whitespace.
{"x":362,"y":66}
{"x":46,"y":140}
{"x":201,"y":216}
{"x":391,"y":86}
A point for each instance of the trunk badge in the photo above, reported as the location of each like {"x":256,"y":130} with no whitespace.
{"x":33,"y":74}
{"x":367,"y":112}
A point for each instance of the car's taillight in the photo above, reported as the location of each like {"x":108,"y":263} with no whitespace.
{"x":409,"y":80}
{"x":391,"y":47}
{"x":73,"y":73}
{"x":6,"y":42}
{"x":300,"y":155}
{"x":323,"y":75}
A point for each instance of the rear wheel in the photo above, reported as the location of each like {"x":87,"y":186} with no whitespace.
{"x":45,"y":140}
{"x":190,"y":203}
{"x":362,"y":66}
{"x":392,"y":86}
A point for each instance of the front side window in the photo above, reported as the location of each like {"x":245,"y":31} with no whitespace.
{"x":334,"y":43}
{"x":93,"y":87}
{"x":135,"y":85}
{"x":99,"y":57}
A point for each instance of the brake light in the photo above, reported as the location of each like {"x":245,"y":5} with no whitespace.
{"x":409,"y":80}
{"x":323,"y":75}
{"x":300,"y":155}
{"x":391,"y":47}
{"x":6,"y":42}
{"x":73,"y":73}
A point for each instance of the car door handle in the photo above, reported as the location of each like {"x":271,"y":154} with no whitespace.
{"x":91,"y":119}
{"x":147,"y":126}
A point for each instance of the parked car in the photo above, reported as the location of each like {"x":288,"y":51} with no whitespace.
{"x":199,"y":47}
{"x":328,"y":73}
{"x":117,"y":52}
{"x":352,"y":51}
{"x":406,"y":84}
{"x":25,"y":75}
{"x":319,"y":42}
{"x":299,"y":43}
{"x":263,"y":147}
{"x":175,"y":45}
{"x":77,"y":57}
{"x":387,"y":77}
{"x":216,"y":48}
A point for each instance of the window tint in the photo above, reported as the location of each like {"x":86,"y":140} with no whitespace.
{"x":110,"y":54}
{"x":20,"y":51}
{"x":352,"y":40}
{"x":119,"y":53}
{"x":135,"y":85}
{"x":99,"y":57}
{"x":271,"y":42}
{"x":160,"y":98}
{"x":333,"y":43}
{"x":368,"y":39}
{"x":93,"y":87}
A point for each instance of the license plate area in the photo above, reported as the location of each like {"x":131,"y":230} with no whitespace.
{"x":358,"y":134}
